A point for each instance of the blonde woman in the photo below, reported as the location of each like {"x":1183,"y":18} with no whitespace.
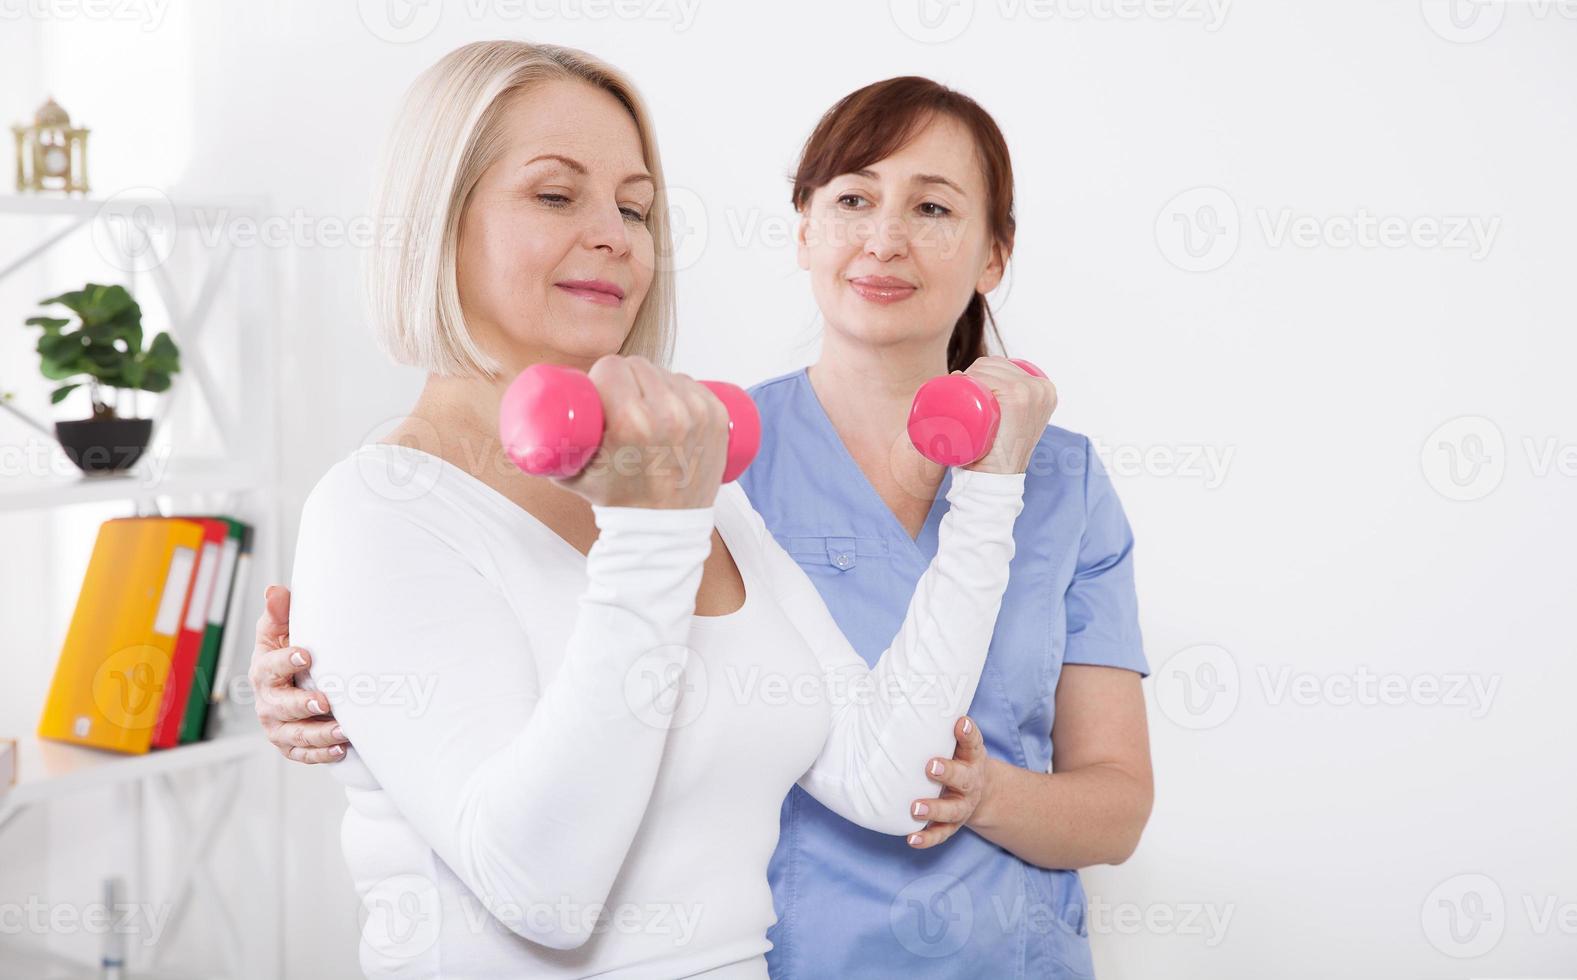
{"x":627,"y":672}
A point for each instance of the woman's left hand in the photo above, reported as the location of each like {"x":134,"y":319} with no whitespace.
{"x":963,"y":778}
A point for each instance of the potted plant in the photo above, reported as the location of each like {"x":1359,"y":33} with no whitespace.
{"x":103,"y":349}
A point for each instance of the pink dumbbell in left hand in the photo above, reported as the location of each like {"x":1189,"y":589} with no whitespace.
{"x":550,"y":422}
{"x":954,"y":418}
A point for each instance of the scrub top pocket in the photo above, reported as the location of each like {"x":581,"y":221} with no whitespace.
{"x":835,"y":554}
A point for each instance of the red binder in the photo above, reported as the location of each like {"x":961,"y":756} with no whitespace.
{"x":189,"y":643}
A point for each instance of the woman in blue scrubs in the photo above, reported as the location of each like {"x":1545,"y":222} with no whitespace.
{"x":905,"y":193}
{"x":905,"y":197}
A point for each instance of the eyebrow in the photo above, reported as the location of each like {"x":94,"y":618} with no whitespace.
{"x":577,"y":167}
{"x":918,"y":179}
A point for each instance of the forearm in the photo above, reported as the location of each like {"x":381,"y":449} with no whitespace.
{"x":1072,"y":820}
{"x":494,"y":761}
{"x":894,"y":717}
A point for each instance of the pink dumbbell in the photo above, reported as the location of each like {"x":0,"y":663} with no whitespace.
{"x":550,"y":422}
{"x":954,"y":418}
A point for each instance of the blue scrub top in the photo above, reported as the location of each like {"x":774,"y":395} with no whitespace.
{"x":854,"y":903}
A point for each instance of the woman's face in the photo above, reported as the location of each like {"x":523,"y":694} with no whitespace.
{"x":896,"y":251}
{"x":555,"y":254}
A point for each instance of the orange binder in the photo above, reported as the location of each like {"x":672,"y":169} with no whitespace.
{"x":109,"y":681}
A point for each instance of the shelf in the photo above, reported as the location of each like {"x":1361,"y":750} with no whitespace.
{"x":59,"y":489}
{"x":21,"y":963}
{"x":87,"y":207}
{"x":46,"y":769}
{"x":225,"y":290}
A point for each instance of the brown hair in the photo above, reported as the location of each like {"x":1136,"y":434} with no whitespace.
{"x":875,"y":122}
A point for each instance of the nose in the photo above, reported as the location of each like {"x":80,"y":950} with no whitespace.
{"x":606,"y":230}
{"x":889,"y":237}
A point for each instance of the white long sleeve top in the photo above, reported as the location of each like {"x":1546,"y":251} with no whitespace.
{"x":558,"y":769}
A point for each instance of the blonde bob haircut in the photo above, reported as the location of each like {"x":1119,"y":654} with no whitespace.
{"x":448,"y":132}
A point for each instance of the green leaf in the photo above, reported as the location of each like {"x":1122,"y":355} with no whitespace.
{"x":94,"y":303}
{"x":57,"y":371}
{"x":59,"y":347}
{"x":106,"y":342}
{"x":132,"y":373}
{"x":104,"y":356}
{"x":70,"y":300}
{"x":164,"y":352}
{"x":60,"y":393}
{"x":99,"y":332}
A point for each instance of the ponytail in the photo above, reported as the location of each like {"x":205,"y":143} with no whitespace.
{"x":968,"y":342}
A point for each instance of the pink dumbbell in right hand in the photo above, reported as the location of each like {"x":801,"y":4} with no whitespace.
{"x":550,"y":421}
{"x":954,"y":418}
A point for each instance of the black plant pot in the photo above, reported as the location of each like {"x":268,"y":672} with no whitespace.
{"x":104,"y":445}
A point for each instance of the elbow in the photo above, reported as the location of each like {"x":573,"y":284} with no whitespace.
{"x":876,"y":803}
{"x":891,"y":815}
{"x":558,"y":938}
{"x":1123,"y":850}
{"x":544,"y":898}
{"x":885,"y":816}
{"x":1127,"y":841}
{"x":565,"y":924}
{"x":563,"y":917}
{"x":900,"y":826}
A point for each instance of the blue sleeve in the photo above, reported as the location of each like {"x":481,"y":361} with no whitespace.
{"x":1102,"y":606}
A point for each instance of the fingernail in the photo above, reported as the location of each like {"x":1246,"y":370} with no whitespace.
{"x":936,"y":767}
{"x":297,"y":659}
{"x":336,"y":750}
{"x":968,"y":725}
{"x":338,"y":733}
{"x":268,"y":593}
{"x":920,"y":809}
{"x":914,"y":839}
{"x":312,"y":703}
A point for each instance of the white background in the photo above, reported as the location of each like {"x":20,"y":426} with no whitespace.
{"x":1240,"y":255}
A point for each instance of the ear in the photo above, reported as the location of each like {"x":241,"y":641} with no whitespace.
{"x":801,"y":248}
{"x":991,"y":275}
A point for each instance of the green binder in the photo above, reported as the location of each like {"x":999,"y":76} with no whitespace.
{"x":237,"y":543}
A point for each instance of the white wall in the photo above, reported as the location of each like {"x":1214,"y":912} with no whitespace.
{"x":1331,"y":832}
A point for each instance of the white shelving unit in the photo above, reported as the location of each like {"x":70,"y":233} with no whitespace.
{"x":237,"y":397}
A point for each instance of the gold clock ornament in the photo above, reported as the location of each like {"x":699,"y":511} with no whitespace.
{"x":51,"y":154}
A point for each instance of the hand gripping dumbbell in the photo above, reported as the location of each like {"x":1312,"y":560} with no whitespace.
{"x":954,"y":418}
{"x":550,"y":421}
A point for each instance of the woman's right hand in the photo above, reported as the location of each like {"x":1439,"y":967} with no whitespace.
{"x":664,"y":443}
{"x":299,"y":723}
{"x":1027,"y":402}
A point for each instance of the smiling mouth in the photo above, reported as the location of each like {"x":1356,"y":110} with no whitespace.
{"x":593,"y":291}
{"x":882,"y":289}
